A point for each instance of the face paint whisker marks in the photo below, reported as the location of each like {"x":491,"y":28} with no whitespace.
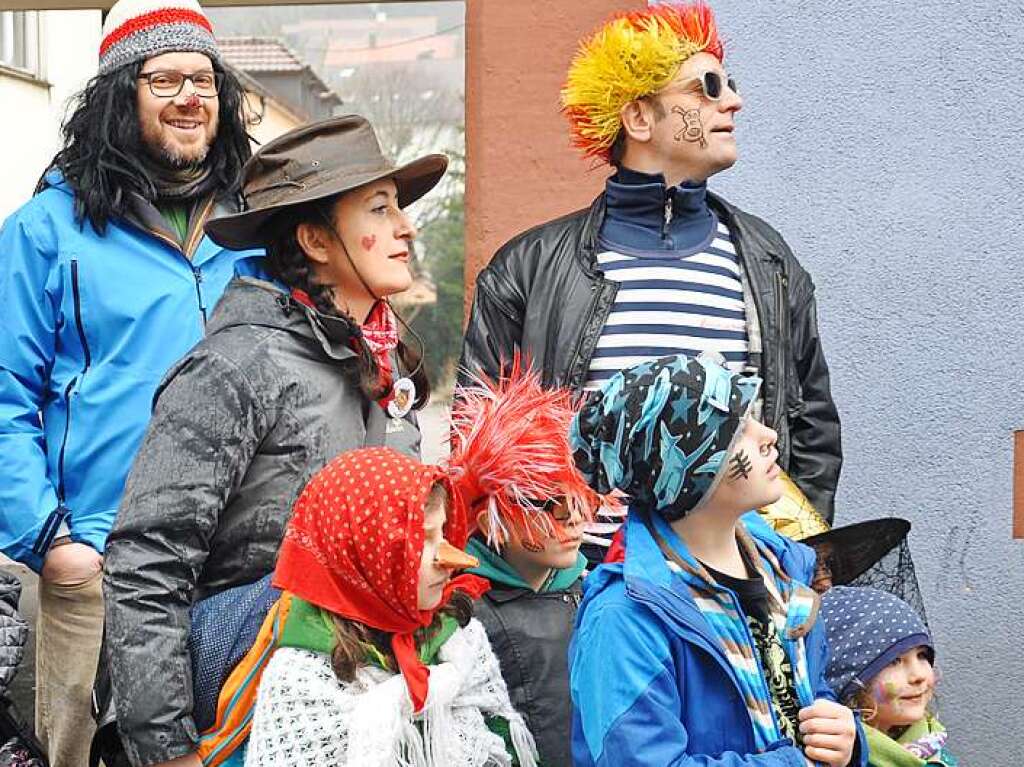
{"x":740,"y":466}
{"x":693,"y":127}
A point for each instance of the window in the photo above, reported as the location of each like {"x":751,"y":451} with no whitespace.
{"x":19,"y":40}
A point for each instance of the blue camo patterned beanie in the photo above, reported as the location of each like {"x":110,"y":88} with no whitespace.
{"x":660,"y":431}
{"x":867,"y":629}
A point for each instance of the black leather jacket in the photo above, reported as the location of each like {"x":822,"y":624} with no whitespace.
{"x":529,"y":632}
{"x":544,"y":294}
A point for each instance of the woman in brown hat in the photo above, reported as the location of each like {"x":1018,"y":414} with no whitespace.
{"x":296,"y":368}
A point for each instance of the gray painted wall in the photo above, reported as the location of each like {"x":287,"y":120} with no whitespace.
{"x":885,"y":141}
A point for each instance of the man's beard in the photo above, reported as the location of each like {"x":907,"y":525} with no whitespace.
{"x":174,"y":174}
{"x":175,"y":160}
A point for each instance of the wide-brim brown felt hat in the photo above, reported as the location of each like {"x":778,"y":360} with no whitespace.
{"x":318,"y":160}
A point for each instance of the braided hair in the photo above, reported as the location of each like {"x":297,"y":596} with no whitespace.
{"x":287,"y":262}
{"x":102,"y":144}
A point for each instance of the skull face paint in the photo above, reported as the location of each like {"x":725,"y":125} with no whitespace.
{"x":693,"y":127}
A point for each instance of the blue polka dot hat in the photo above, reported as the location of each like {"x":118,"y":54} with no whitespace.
{"x":867,"y":629}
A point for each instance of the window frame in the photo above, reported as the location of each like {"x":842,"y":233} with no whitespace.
{"x":21,"y":43}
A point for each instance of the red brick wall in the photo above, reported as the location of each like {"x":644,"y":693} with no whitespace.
{"x":520,"y":168}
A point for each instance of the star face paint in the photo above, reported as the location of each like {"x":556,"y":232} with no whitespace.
{"x":693,"y":127}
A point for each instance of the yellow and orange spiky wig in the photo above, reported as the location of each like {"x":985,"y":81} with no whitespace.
{"x":511,"y":453}
{"x":633,"y":55}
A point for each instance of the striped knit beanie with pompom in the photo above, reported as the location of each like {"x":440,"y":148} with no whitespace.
{"x":136,"y":30}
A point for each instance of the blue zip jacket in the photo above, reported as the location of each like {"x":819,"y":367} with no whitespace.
{"x":91,"y":324}
{"x":650,"y":684}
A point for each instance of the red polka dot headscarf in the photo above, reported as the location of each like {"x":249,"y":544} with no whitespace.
{"x":354,"y":544}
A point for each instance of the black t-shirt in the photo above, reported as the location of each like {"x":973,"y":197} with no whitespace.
{"x":755,"y":600}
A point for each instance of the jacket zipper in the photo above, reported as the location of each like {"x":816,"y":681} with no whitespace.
{"x":58,"y":515}
{"x":667,"y":218}
{"x":593,"y":323}
{"x":188,"y":250}
{"x":77,"y":295}
{"x":781,"y":285}
{"x":64,"y":443}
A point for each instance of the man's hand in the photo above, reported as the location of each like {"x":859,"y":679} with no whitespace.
{"x":829,"y":733}
{"x":188,"y":760}
{"x":71,"y":564}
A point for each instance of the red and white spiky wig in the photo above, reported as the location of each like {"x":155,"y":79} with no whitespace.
{"x":632,"y":55}
{"x":511,"y":453}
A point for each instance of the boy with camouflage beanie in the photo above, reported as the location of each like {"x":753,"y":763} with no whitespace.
{"x":701,"y":646}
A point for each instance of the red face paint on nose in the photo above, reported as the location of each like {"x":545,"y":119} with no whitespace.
{"x":192,"y":102}
{"x":369,"y":240}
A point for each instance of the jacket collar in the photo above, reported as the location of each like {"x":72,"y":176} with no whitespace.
{"x":749,"y":244}
{"x":142,"y":214}
{"x":254,"y":301}
{"x":644,"y":215}
{"x":501,"y":574}
{"x":647,"y":575}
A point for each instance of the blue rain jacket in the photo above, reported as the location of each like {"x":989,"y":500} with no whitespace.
{"x":650,"y":684}
{"x":91,"y":324}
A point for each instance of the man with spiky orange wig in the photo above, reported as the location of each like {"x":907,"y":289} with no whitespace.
{"x":659,"y":265}
{"x":513,"y":466}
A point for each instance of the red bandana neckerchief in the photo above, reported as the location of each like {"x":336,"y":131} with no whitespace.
{"x":354,"y":543}
{"x":379,"y":333}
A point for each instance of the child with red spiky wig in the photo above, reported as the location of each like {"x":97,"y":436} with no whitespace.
{"x":512,"y":461}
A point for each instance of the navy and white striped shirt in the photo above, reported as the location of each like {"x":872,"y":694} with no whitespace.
{"x":670,"y":303}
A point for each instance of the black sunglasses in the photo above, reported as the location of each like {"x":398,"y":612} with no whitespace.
{"x":558,"y":510}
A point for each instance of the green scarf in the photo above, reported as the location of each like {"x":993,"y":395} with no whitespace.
{"x":884,"y":751}
{"x":310,"y":628}
{"x":495,"y":569}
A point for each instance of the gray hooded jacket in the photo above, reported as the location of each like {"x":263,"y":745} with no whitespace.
{"x":239,"y":426}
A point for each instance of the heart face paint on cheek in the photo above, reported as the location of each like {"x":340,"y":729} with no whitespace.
{"x":368,"y":241}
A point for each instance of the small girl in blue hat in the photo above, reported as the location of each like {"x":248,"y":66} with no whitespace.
{"x":883,"y":664}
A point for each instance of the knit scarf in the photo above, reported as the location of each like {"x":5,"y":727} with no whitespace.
{"x":177,"y":183}
{"x":923,"y":743}
{"x":793,"y":610}
{"x":291,"y":622}
{"x":354,"y":543}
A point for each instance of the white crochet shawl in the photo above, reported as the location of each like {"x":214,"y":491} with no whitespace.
{"x":305,"y":715}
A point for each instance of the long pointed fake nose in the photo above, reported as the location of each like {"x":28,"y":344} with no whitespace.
{"x":452,"y":558}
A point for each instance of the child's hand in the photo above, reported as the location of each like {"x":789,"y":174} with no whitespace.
{"x":829,"y":733}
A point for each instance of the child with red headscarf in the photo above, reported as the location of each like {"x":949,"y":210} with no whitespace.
{"x":377,"y":659}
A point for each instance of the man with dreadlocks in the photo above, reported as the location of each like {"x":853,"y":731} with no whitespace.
{"x":512,"y":460}
{"x":106,"y":279}
{"x":659,"y":265}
